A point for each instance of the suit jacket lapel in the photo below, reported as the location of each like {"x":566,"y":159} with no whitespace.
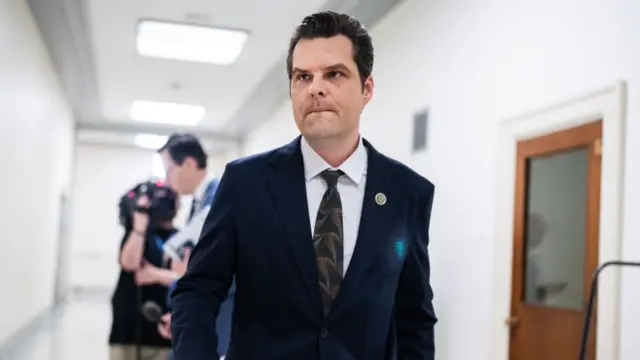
{"x":375,"y":224}
{"x":288,"y":189}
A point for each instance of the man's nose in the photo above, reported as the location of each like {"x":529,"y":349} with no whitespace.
{"x":318,"y":87}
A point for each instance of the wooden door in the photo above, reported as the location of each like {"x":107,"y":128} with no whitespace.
{"x":556,"y":226}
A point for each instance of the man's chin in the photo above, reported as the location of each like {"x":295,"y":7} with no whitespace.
{"x":320,"y":133}
{"x":181,"y":192}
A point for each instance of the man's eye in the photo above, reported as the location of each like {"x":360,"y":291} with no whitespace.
{"x":303,"y":77}
{"x":335,"y":74}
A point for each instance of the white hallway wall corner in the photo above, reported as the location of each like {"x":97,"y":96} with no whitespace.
{"x":608,"y":104}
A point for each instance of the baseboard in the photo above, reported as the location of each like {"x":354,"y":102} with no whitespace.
{"x":22,"y":337}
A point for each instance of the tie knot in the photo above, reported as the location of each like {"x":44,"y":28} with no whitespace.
{"x":331,"y":177}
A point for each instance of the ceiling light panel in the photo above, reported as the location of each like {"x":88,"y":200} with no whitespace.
{"x":150,"y":141}
{"x":186,"y":42}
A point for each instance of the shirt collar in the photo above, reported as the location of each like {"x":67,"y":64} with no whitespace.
{"x":198,"y":193}
{"x":354,"y":167}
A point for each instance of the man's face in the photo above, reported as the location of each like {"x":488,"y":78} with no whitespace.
{"x":176,"y":175}
{"x":326,"y":93}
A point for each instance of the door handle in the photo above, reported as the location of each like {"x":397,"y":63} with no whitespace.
{"x":512,"y":321}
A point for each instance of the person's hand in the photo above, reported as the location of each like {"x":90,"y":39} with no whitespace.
{"x":180,"y":266}
{"x":147,"y":274}
{"x":141,"y":219}
{"x":164,"y":327}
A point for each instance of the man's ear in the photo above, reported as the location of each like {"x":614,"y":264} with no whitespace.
{"x":367,"y":89}
{"x":190,"y":162}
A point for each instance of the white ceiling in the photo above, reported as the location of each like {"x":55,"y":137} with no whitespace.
{"x":123,"y":76}
{"x":92,"y":43}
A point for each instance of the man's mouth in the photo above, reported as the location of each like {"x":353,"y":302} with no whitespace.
{"x":318,"y":110}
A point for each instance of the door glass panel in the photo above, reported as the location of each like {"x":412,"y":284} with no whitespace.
{"x":555,"y":234}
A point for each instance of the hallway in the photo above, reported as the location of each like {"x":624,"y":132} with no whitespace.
{"x":90,"y":90}
{"x":79,"y":331}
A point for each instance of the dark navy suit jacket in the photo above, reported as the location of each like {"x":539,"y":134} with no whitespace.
{"x":223,"y":320}
{"x":258,"y":230}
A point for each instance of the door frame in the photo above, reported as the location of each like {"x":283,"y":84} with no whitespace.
{"x":608,"y":104}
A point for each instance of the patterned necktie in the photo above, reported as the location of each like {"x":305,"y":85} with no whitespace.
{"x":327,"y":240}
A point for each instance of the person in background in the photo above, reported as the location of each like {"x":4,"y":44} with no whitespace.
{"x":185,"y":163}
{"x":290,"y":223}
{"x":143,"y":277}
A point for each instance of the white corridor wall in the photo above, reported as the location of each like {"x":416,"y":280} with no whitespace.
{"x":102,"y":175}
{"x":474,"y":64}
{"x":36,"y":142}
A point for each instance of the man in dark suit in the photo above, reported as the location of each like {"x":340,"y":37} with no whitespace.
{"x":326,"y":237}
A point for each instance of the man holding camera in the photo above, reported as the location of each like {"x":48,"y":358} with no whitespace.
{"x":185,"y":163}
{"x":147,"y":214}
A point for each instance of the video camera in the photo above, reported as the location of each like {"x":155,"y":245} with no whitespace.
{"x":162,"y":203}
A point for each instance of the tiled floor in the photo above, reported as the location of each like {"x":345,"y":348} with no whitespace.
{"x":79,"y":333}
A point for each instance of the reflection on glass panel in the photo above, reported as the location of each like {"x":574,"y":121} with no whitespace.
{"x":556,"y":229}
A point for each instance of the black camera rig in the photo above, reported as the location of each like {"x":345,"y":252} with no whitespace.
{"x":162,"y":203}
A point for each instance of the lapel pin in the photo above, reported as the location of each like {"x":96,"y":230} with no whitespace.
{"x":381,"y":199}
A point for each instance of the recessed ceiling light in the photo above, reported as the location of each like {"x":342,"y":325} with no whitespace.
{"x":167,"y":113}
{"x":190,"y":42}
{"x":150,"y":141}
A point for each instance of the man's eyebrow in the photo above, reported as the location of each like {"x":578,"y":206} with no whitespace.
{"x":339,"y":66}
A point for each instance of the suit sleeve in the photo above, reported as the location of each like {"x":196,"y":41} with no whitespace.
{"x":200,"y":292}
{"x":414,"y":315}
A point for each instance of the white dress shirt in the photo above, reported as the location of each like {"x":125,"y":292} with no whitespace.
{"x":351,"y":188}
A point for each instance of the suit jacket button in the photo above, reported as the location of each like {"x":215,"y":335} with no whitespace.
{"x":324,"y":332}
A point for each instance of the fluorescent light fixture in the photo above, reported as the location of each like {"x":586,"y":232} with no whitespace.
{"x":189,"y":42}
{"x":167,"y":113}
{"x":150,"y":141}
